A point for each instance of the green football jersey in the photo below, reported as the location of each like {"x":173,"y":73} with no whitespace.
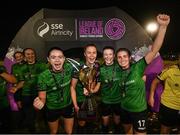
{"x":109,"y":78}
{"x":133,"y":87}
{"x":57,"y":86}
{"x":79,"y":86}
{"x":16,"y":70}
{"x":29,"y":74}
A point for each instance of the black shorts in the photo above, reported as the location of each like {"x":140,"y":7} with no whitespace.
{"x":54,"y":114}
{"x":137,"y":119}
{"x":18,"y":95}
{"x":169,"y":117}
{"x":108,"y":109}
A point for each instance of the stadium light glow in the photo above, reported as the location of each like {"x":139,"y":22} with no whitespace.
{"x":152,"y":27}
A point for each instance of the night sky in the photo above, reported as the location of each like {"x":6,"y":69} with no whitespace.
{"x":14,"y":15}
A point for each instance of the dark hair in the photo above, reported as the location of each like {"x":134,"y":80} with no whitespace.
{"x":54,"y":48}
{"x":29,"y":49}
{"x":109,"y":47}
{"x":88,"y":45}
{"x":17,"y":53}
{"x":123,"y":49}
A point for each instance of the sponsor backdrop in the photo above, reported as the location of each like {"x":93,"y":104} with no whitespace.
{"x":73,"y":29}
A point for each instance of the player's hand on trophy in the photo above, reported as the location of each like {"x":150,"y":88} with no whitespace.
{"x":85,"y":92}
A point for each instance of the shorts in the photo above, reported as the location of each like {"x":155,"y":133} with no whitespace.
{"x":18,"y":95}
{"x":137,"y":119}
{"x":169,"y":117}
{"x":54,"y":114}
{"x":108,"y":109}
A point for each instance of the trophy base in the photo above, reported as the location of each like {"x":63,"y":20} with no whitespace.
{"x":86,"y":115}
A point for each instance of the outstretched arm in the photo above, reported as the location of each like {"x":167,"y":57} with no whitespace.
{"x":8,"y":77}
{"x":17,"y":86}
{"x":163,"y":21}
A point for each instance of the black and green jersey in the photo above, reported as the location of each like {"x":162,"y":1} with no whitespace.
{"x":3,"y":91}
{"x":57,"y":86}
{"x":109,"y":78}
{"x":29,"y":74}
{"x":133,"y":87}
{"x":79,"y":87}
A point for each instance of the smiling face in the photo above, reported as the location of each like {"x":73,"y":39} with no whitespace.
{"x":123,"y":59}
{"x":90,"y":54}
{"x":108,"y":55}
{"x":19,"y":57}
{"x":30,"y":56}
{"x":56,"y":59}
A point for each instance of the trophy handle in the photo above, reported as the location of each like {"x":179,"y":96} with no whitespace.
{"x":74,"y":63}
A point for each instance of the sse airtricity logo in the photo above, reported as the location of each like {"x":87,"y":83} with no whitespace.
{"x":115,"y":29}
{"x":43,"y":29}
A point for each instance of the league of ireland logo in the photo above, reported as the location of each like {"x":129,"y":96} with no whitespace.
{"x":115,"y":29}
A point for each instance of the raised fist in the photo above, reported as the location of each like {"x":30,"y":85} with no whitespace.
{"x":163,"y":19}
{"x":38,"y":103}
